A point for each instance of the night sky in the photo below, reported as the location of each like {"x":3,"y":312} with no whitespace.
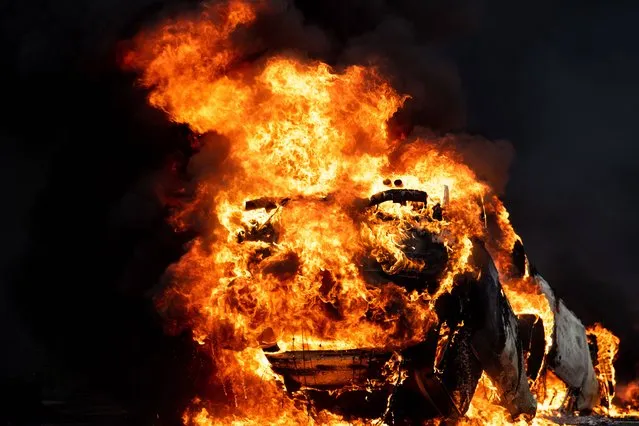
{"x":84,"y":238}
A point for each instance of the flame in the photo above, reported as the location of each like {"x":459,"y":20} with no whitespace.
{"x":307,"y":144}
{"x":628,"y":400}
{"x":485,"y":409}
{"x":607,"y":347}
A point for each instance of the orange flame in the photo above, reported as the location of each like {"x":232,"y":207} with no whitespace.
{"x":485,"y":410}
{"x":313,"y":142}
{"x":607,"y":348}
{"x":628,"y":397}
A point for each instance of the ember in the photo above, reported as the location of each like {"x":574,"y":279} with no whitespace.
{"x":344,"y":276}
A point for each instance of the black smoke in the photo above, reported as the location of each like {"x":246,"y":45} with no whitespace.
{"x":84,"y":159}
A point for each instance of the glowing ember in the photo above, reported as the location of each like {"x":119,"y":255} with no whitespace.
{"x":284,"y":239}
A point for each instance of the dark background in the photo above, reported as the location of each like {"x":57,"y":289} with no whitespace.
{"x":83,"y":157}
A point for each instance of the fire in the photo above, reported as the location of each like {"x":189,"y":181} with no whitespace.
{"x":607,"y":348}
{"x":284,"y":235}
{"x":485,"y":409}
{"x":628,"y":397}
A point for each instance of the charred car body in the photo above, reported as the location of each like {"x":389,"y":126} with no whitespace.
{"x":477,"y":333}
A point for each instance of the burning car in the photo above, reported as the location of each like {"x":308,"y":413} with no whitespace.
{"x":476,"y":332}
{"x":341,"y":273}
